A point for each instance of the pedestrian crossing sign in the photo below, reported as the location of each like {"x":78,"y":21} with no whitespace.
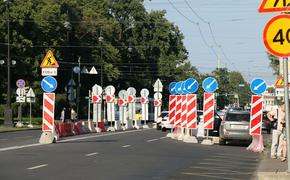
{"x":49,"y":61}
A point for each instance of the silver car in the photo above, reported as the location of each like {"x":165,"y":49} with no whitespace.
{"x":235,"y":126}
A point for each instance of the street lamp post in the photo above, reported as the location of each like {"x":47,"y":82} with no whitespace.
{"x":8,"y":116}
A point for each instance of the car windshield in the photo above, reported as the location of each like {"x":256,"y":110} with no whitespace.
{"x":238,"y":117}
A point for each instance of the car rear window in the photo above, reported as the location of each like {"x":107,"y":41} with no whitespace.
{"x":238,"y":117}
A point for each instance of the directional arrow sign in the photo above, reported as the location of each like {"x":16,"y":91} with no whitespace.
{"x":191,"y":85}
{"x":158,"y":86}
{"x":49,"y":84}
{"x":274,"y":6}
{"x":184,"y":89}
{"x":258,"y":86}
{"x":178,"y":87}
{"x":210,"y":84}
{"x":172,"y":88}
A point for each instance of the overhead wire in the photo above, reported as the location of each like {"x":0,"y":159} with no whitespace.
{"x":194,"y":23}
{"x":211,"y":32}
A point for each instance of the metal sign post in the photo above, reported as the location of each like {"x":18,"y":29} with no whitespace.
{"x":286,"y":97}
{"x":144,"y":101}
{"x":110,"y":91}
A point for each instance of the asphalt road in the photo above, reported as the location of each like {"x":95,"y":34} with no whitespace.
{"x":143,"y":154}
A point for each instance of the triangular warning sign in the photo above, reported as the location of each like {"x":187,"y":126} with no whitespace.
{"x":274,"y":6}
{"x":279,"y":82}
{"x":49,"y":61}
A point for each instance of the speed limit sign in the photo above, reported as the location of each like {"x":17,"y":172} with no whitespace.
{"x":276,"y":35}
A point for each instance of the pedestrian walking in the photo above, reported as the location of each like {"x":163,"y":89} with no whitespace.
{"x":277,"y":116}
{"x":62,"y":115}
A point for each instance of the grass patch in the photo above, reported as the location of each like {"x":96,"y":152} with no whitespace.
{"x":7,"y":129}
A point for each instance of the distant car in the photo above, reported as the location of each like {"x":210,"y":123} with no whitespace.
{"x":266,"y":123}
{"x":165,"y":125}
{"x":162,"y":118}
{"x":235,"y":126}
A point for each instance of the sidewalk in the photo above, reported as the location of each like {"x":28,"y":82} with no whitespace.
{"x":271,"y":169}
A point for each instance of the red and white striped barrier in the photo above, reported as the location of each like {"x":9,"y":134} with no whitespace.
{"x":256,"y":115}
{"x":191,"y":111}
{"x":257,"y":144}
{"x":172,"y":107}
{"x":184,"y":111}
{"x":178,"y":111}
{"x":208,"y":110}
{"x":191,"y":119}
{"x":48,"y":112}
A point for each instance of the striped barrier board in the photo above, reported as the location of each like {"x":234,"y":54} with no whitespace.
{"x":256,"y":115}
{"x":172,"y":106}
{"x":208,"y":110}
{"x":184,"y":111}
{"x":191,"y":111}
{"x":178,"y":111}
{"x":48,"y":112}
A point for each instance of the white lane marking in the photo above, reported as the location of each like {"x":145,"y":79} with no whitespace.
{"x":163,"y":137}
{"x":72,"y":139}
{"x":23,"y":137}
{"x":151,"y":140}
{"x":126,"y":146}
{"x":91,"y":154}
{"x":36,"y":167}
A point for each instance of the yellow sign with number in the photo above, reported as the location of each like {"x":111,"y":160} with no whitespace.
{"x":274,"y":6}
{"x":276,"y":36}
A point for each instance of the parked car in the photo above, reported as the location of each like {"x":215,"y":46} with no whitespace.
{"x":162,"y":118}
{"x":266,"y":123}
{"x":235,"y":126}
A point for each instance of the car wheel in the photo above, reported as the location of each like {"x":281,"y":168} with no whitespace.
{"x":222,"y":141}
{"x":163,"y":129}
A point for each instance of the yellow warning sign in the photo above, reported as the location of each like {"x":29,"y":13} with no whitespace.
{"x":49,"y":61}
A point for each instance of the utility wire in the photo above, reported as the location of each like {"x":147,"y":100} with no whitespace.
{"x":211,"y":32}
{"x":194,"y":23}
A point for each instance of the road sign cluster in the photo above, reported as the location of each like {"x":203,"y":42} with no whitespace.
{"x":183,"y":107}
{"x":49,"y":67}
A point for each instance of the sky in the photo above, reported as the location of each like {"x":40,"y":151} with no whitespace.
{"x":235,"y":26}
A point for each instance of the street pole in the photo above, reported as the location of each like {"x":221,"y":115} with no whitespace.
{"x":78,"y":89}
{"x":8,"y":116}
{"x":286,"y":98}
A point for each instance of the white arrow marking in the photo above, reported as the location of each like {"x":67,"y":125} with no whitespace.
{"x":172,"y":89}
{"x":189,"y":87}
{"x":210,"y":84}
{"x":257,"y":87}
{"x":50,"y":85}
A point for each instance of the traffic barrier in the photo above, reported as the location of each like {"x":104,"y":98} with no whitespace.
{"x":61,"y":128}
{"x":101,"y":125}
{"x":77,"y":128}
{"x":69,"y":128}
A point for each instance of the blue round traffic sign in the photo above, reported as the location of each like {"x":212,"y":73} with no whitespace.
{"x":191,"y":85}
{"x":184,"y":90}
{"x":49,"y":84}
{"x":172,"y":89}
{"x":210,"y":84}
{"x":258,"y":86}
{"x":178,"y":87}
